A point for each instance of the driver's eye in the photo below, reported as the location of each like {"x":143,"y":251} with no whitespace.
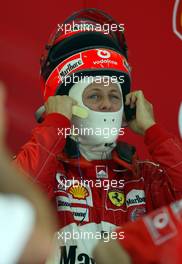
{"x":93,"y":96}
{"x":113,"y":96}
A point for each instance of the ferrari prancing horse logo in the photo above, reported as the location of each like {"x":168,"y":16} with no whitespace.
{"x":116,"y":198}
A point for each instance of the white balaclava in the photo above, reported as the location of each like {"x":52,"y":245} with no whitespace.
{"x":97,"y":133}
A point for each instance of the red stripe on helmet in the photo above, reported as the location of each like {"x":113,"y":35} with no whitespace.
{"x":94,"y":59}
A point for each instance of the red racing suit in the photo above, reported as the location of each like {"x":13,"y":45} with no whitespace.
{"x":155,"y":238}
{"x":92,"y":198}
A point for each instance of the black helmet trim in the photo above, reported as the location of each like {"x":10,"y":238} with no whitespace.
{"x":74,"y":44}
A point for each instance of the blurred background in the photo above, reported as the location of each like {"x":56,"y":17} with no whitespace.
{"x":153,"y":30}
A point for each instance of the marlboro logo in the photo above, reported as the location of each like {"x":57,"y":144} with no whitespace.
{"x":71,"y":65}
{"x":135,"y":197}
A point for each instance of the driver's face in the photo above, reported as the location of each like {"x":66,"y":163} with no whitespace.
{"x":101,"y":98}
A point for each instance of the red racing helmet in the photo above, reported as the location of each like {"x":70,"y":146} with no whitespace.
{"x":77,"y":49}
{"x":92,"y":62}
{"x":85,"y":29}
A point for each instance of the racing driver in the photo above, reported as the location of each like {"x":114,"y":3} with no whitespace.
{"x":96,"y":181}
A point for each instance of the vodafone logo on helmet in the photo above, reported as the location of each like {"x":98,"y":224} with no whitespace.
{"x":104,"y":54}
